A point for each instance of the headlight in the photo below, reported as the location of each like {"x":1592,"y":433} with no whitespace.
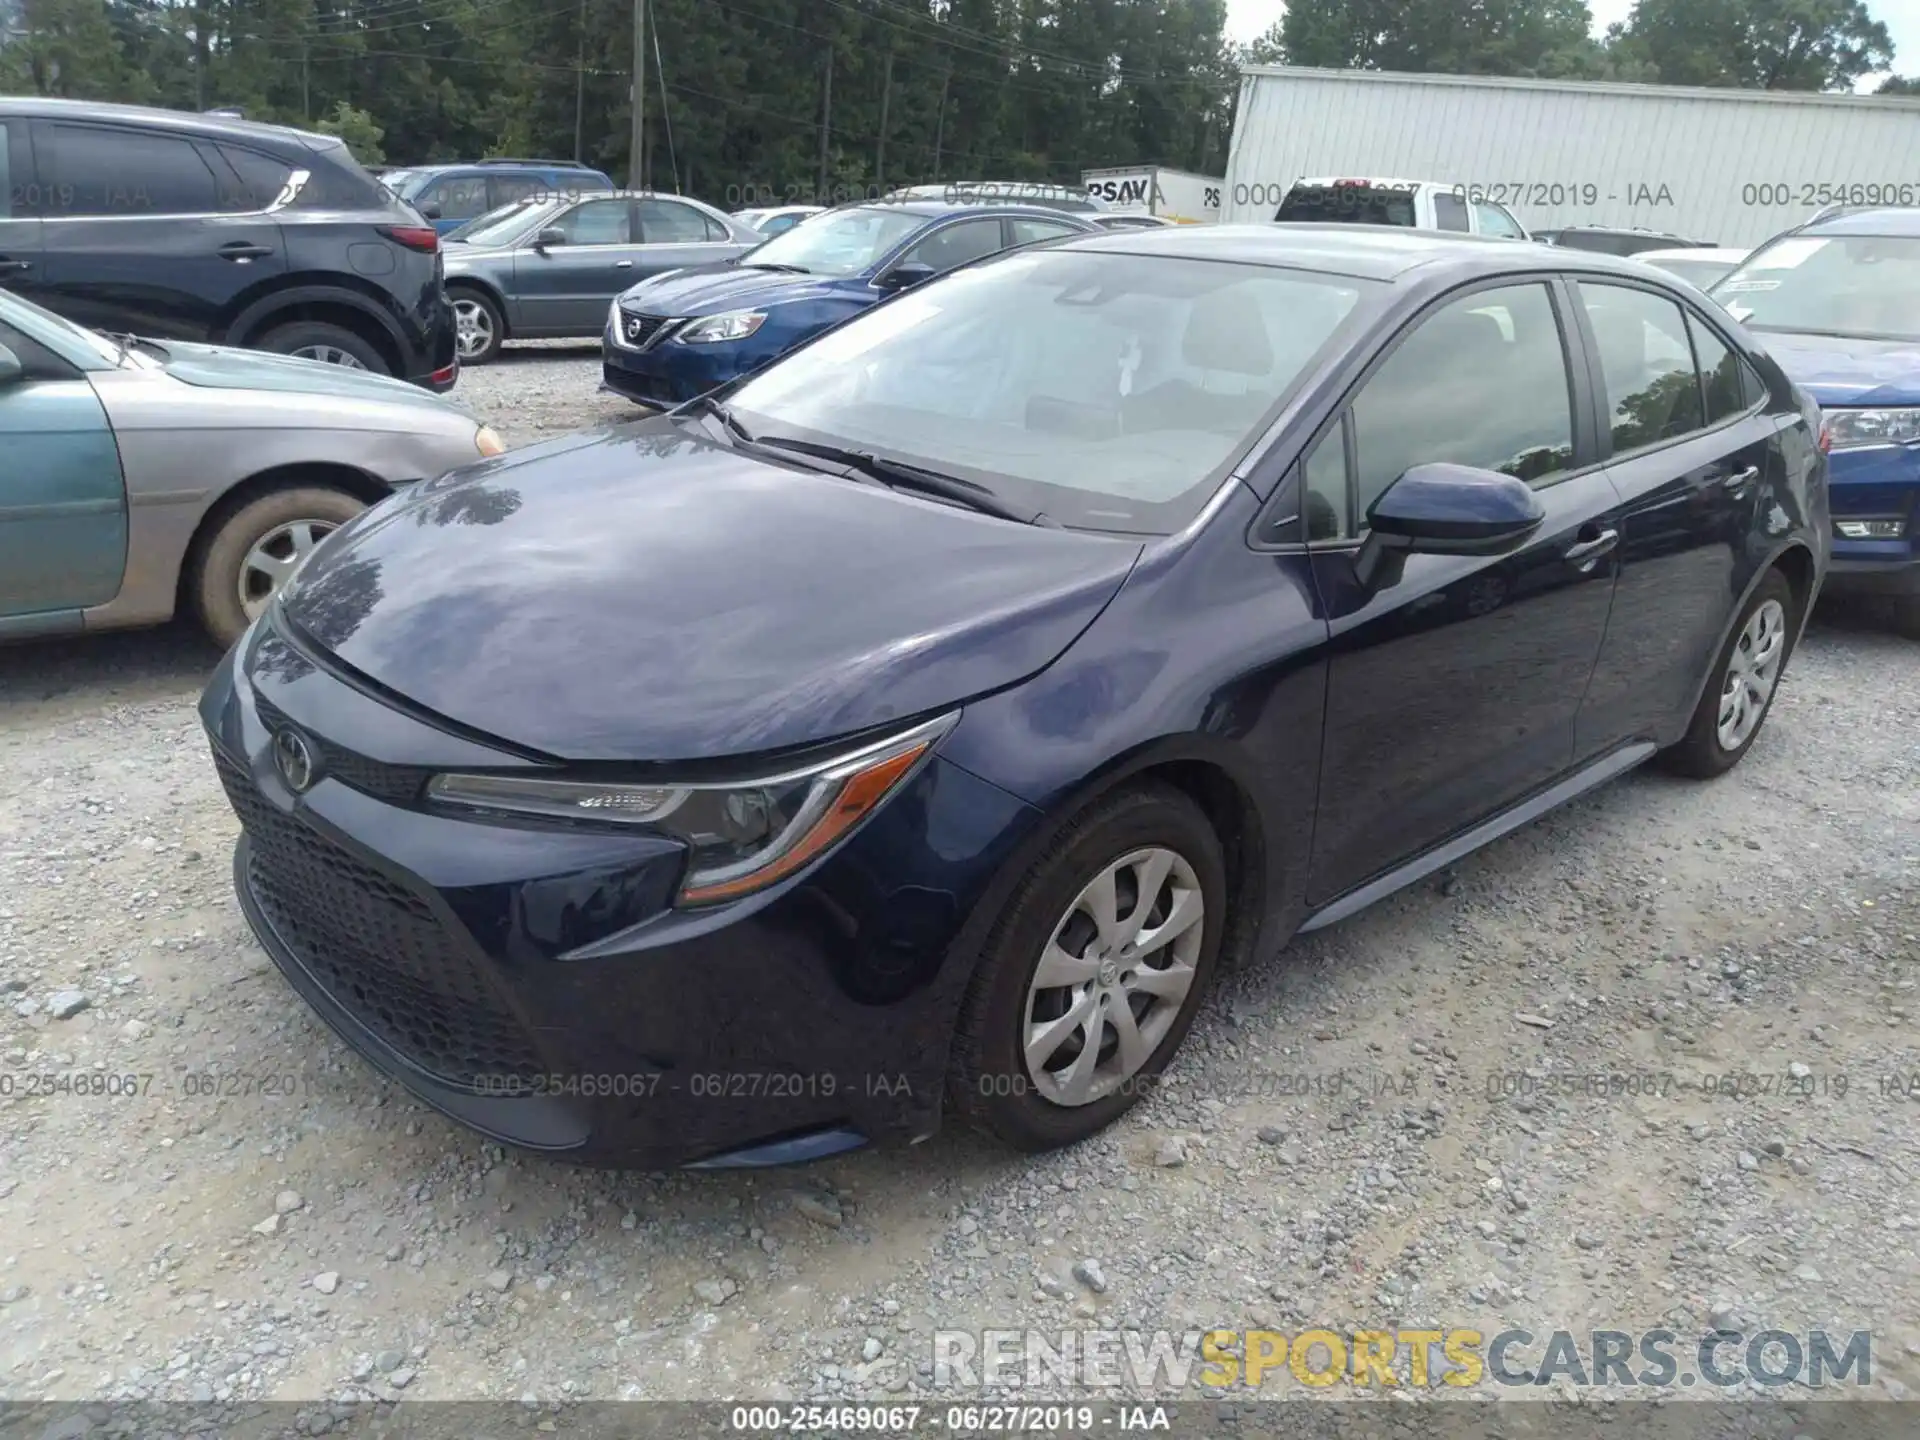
{"x":1858,"y":429}
{"x":734,"y":325}
{"x":488,"y":442}
{"x":743,"y":836}
{"x":613,"y":315}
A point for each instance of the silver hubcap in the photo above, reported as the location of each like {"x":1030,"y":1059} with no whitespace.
{"x":474,"y":327}
{"x":275,"y":556}
{"x":1752,"y":671}
{"x":329,"y":355}
{"x":1113,"y":977}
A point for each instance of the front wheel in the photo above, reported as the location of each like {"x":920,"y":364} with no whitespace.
{"x":1740,"y":691}
{"x":251,"y":552}
{"x":1090,"y":979}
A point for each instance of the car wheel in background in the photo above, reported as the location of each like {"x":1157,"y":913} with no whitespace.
{"x":250,"y":552}
{"x":1741,"y":689}
{"x":329,"y":344}
{"x":479,"y":327}
{"x":1090,"y":979}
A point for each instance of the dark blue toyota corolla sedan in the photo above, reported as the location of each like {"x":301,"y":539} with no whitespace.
{"x":916,"y":726}
{"x":686,"y":332}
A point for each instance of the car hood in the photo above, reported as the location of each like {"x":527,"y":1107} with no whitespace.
{"x":714,"y":289}
{"x":1839,"y":371}
{"x":219,"y":367}
{"x":645,"y":594}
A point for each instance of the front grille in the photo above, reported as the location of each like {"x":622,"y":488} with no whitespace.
{"x":396,"y":784}
{"x":376,"y":947}
{"x":640,"y":331}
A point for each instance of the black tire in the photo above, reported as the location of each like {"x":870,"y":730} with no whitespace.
{"x":1700,"y":754}
{"x":214,"y":580}
{"x":496,"y":322}
{"x":318,"y":334}
{"x":988,"y":1084}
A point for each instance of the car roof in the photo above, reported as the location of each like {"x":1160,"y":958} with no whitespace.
{"x":1367,"y":252}
{"x":153,"y":117}
{"x":934,"y":209}
{"x":1885,"y":220}
{"x":437,"y":167}
{"x":1385,"y":181}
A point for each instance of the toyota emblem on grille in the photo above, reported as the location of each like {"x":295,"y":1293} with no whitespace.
{"x":293,"y":758}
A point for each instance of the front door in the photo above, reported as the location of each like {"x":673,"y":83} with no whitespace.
{"x":63,"y":507}
{"x":1453,"y":691}
{"x":142,"y":234}
{"x":564,"y":288}
{"x":1692,"y":448}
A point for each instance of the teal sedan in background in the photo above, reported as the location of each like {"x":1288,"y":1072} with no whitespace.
{"x":135,"y":473}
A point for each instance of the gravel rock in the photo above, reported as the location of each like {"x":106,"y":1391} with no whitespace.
{"x":821,"y":1209}
{"x":65,"y":1004}
{"x":286,"y":1202}
{"x":1089,"y":1274}
{"x":1172,"y":1152}
{"x":327,"y":1281}
{"x":499,"y":1281}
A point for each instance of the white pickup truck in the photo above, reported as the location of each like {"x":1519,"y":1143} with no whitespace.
{"x":1420,"y":204}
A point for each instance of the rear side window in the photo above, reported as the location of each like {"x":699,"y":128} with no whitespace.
{"x":598,"y":222}
{"x":662,"y":222}
{"x":1348,"y":205}
{"x":505,"y":189}
{"x":1646,"y":364}
{"x":11,"y":201}
{"x":335,"y":181}
{"x":1728,"y":380}
{"x":96,"y":170}
{"x":1028,"y":232}
{"x":252,"y":181}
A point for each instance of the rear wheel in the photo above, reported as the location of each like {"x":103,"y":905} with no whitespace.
{"x":329,"y":344}
{"x":1740,"y":692}
{"x":252,"y":551}
{"x":479,"y":327}
{"x":1090,"y":980}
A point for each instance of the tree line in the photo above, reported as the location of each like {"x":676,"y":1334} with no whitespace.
{"x":787,"y":98}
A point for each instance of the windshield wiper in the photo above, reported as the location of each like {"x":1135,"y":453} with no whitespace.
{"x":898,"y":475}
{"x":774,"y":265}
{"x":708,"y":405}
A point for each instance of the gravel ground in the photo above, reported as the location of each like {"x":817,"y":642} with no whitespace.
{"x":325,"y":1237}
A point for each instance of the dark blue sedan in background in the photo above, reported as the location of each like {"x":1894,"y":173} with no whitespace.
{"x":915,"y":727}
{"x":679,"y":335}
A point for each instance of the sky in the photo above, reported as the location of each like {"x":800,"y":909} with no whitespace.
{"x":1248,"y":19}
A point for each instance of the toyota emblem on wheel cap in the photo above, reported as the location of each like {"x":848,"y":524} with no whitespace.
{"x":293,"y":758}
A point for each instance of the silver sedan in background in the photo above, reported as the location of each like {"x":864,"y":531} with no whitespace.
{"x":140,"y":473}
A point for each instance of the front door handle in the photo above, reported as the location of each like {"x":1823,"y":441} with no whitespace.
{"x":1740,"y":479}
{"x":13,"y":267}
{"x":243,"y":250}
{"x":623,"y":264}
{"x":1587,"y":551}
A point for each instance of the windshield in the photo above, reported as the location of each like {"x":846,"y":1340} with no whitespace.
{"x":502,"y":226}
{"x":32,"y":318}
{"x":1859,"y":285}
{"x":844,"y":242}
{"x":1108,"y":390}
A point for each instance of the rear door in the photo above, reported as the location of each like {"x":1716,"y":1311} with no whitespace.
{"x":22,"y":267}
{"x":145,"y":233}
{"x":1691,"y":448}
{"x":63,"y":505}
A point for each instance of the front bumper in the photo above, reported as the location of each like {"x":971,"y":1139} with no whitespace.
{"x":1879,"y":484}
{"x":666,"y":374}
{"x":534,"y":985}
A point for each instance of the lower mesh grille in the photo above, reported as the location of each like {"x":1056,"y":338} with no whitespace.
{"x":377,"y":948}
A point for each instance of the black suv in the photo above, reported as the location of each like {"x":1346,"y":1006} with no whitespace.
{"x":195,"y":227}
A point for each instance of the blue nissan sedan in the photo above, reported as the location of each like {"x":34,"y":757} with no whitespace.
{"x":915,"y":727}
{"x":679,"y":335}
{"x":1837,"y":302}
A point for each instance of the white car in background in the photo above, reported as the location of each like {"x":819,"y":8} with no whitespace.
{"x":1416,"y":204}
{"x":773,"y":220}
{"x":1699,"y":265}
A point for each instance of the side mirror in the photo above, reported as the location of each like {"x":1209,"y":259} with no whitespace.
{"x":11,"y":370}
{"x":906,"y":276}
{"x":1445,"y":510}
{"x":430,"y":210}
{"x":552,"y":235}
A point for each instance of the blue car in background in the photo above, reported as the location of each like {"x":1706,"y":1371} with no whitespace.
{"x":1838,"y":303}
{"x":678,"y":335}
{"x":451,"y":195}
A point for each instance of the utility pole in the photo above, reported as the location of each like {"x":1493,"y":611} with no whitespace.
{"x":579,"y":80}
{"x":199,"y":57}
{"x":826,"y":125}
{"x":636,"y":162}
{"x":880,"y":154}
{"x":940,"y":123}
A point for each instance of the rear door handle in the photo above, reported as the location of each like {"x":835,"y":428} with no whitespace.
{"x":13,"y":267}
{"x":1592,"y":549}
{"x":1740,"y":479}
{"x":244,"y":250}
{"x":623,"y":264}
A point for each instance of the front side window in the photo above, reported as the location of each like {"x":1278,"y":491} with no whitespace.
{"x":507,"y":224}
{"x":1646,"y":364}
{"x":1866,"y":286}
{"x":1450,"y":211}
{"x":1496,"y":221}
{"x":953,"y":245}
{"x":460,"y":197}
{"x":841,"y":242}
{"x":1326,"y":496}
{"x":597,"y":222}
{"x":95,"y":170}
{"x":1481,"y":382}
{"x":1109,"y":391}
{"x":662,"y":222}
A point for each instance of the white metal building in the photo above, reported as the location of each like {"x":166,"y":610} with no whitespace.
{"x":1730,"y":166}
